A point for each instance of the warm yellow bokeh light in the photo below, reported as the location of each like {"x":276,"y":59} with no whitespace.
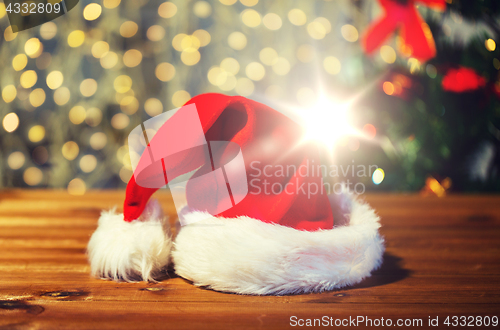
{"x":77,"y":187}
{"x":316,"y":30}
{"x":33,"y":176}
{"x":62,"y":95}
{"x":231,"y":65}
{"x":490,"y":45}
{"x":189,"y":43}
{"x":202,"y":36}
{"x":132,"y":58}
{"x":109,"y":60}
{"x":165,"y":71}
{"x":10,"y":122}
{"x":153,"y":107}
{"x":70,"y":150}
{"x":77,"y":114}
{"x":128,"y":29}
{"x":244,"y":86}
{"x":9,"y":93}
{"x":37,"y":97}
{"x":8,"y":34}
{"x":255,"y":71}
{"x":28,"y":78}
{"x":92,"y":11}
{"x":297,"y":17}
{"x":19,"y":62}
{"x":98,"y":141}
{"x":281,"y":67}
{"x":129,"y":104}
{"x":110,"y":4}
{"x":93,"y":116}
{"x":76,"y":38}
{"x":48,"y":30}
{"x":325,"y":23}
{"x":388,"y":54}
{"x":88,"y":163}
{"x":16,"y":160}
{"x":350,"y":33}
{"x":250,"y":18}
{"x":167,"y":10}
{"x":55,"y":79}
{"x":120,"y":121}
{"x":202,"y":9}
{"x":180,"y":98}
{"x":122,"y":83}
{"x":190,"y":57}
{"x":33,"y":47}
{"x":36,"y":133}
{"x":268,"y":56}
{"x":88,"y":87}
{"x":100,"y":48}
{"x":155,"y":33}
{"x":249,"y":3}
{"x":272,"y":21}
{"x":332,"y":65}
{"x":237,"y":40}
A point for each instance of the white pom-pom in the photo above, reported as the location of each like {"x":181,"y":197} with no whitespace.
{"x":129,"y":251}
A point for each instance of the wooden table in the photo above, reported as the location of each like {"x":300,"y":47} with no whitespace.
{"x":442,"y":259}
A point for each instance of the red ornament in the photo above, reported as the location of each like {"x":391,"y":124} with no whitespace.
{"x":462,"y":80}
{"x":414,"y":32}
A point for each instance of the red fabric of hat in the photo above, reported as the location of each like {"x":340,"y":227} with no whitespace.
{"x":269,"y":142}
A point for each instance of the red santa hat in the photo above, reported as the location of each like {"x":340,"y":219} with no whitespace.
{"x":257,"y":219}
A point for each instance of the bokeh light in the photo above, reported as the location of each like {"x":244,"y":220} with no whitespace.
{"x":165,"y":71}
{"x":19,"y":62}
{"x":9,"y":93}
{"x":28,"y":79}
{"x":70,"y":150}
{"x":237,"y":40}
{"x":62,"y":95}
{"x":88,"y":87}
{"x":297,"y":17}
{"x":180,"y":98}
{"x":36,"y":133}
{"x":37,"y":97}
{"x":76,"y":38}
{"x":77,"y":187}
{"x":10,"y":122}
{"x":33,"y":176}
{"x":350,"y":33}
{"x":92,"y":11}
{"x":153,"y":107}
{"x":272,"y":21}
{"x":378,"y":176}
{"x":55,"y":79}
{"x":16,"y":160}
{"x":167,"y":10}
{"x":255,"y":71}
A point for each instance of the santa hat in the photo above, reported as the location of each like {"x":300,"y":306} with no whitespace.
{"x":257,"y":219}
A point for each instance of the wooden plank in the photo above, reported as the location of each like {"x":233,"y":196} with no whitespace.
{"x":442,"y":258}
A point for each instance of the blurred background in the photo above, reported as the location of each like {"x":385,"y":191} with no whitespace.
{"x":73,"y":88}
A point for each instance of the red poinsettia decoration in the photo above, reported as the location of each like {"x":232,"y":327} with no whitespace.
{"x":415,"y":34}
{"x":462,"y":80}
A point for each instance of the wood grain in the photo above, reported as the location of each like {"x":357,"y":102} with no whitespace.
{"x":442,"y":258}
